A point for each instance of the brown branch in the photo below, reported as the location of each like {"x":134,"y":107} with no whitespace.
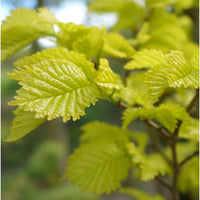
{"x":188,"y":158}
{"x":175,"y":167}
{"x":159,"y":128}
{"x":158,"y":147}
{"x":192,"y":103}
{"x":163,"y":182}
{"x":176,"y":131}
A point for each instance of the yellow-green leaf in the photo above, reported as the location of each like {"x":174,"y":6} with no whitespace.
{"x":98,"y":166}
{"x":53,"y":87}
{"x":23,"y":123}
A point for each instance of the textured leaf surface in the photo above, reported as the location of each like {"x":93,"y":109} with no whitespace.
{"x":156,"y":81}
{"x":106,"y":77}
{"x":90,"y":44}
{"x":23,"y":123}
{"x":132,"y":97}
{"x":176,"y":72}
{"x":150,"y":166}
{"x":166,"y":114}
{"x":98,"y":169}
{"x":87,"y":40}
{"x":22,"y":27}
{"x":70,"y":33}
{"x":117,"y":46}
{"x":180,"y":72}
{"x":55,"y":87}
{"x":145,"y":59}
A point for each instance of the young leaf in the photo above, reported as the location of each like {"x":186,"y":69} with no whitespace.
{"x":150,"y":166}
{"x":180,"y":73}
{"x":190,"y":129}
{"x":99,"y":130}
{"x":166,"y":114}
{"x":70,"y":33}
{"x":176,"y":72}
{"x":98,"y":166}
{"x":90,"y":44}
{"x":156,"y":81}
{"x":23,"y":123}
{"x":55,"y":87}
{"x":117,"y":46}
{"x":81,"y":39}
{"x":145,"y":59}
{"x":132,"y":97}
{"x":22,"y":27}
{"x":106,"y":77}
{"x":105,"y":6}
{"x":158,"y":3}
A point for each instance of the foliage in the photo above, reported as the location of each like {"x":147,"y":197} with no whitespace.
{"x":65,"y":80}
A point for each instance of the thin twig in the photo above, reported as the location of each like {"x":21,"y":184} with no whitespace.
{"x":158,"y":146}
{"x":175,"y":192}
{"x":189,"y":157}
{"x":163,"y":182}
{"x":177,"y":129}
{"x":159,"y":128}
{"x":192,"y":103}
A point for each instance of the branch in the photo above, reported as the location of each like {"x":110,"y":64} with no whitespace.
{"x":159,"y":128}
{"x":175,"y":168}
{"x":189,"y":157}
{"x":192,"y":103}
{"x":177,"y":129}
{"x":163,"y":182}
{"x":158,"y":146}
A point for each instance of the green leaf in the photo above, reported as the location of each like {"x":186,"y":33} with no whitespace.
{"x":145,"y":59}
{"x":150,"y":166}
{"x":98,"y":166}
{"x":190,"y":129}
{"x":106,"y":78}
{"x":140,"y":195}
{"x":130,"y":15}
{"x":176,"y":72}
{"x":166,"y":114}
{"x":55,"y":87}
{"x":99,"y":130}
{"x":156,"y":81}
{"x":106,"y":6}
{"x":117,"y":46}
{"x":132,"y":97}
{"x":165,"y":36}
{"x":87,"y":40}
{"x":189,"y":176}
{"x":23,"y":123}
{"x":158,"y":3}
{"x":70,"y":33}
{"x":90,"y":44}
{"x":180,"y":72}
{"x":23,"y":27}
{"x":153,"y":166}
